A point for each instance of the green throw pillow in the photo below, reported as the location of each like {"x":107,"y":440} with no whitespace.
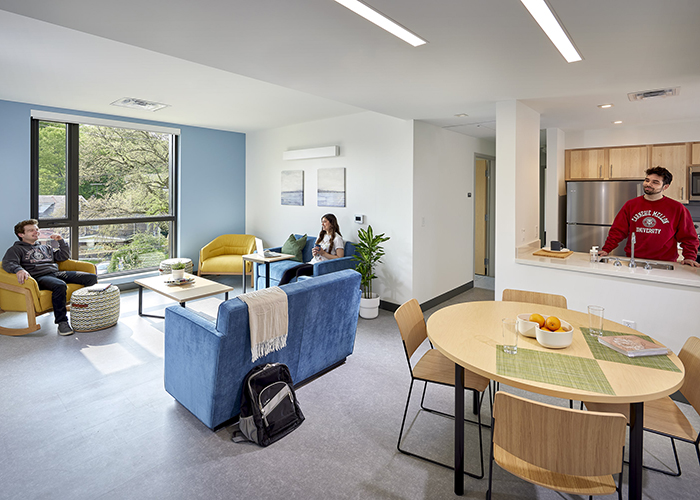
{"x":294,"y":247}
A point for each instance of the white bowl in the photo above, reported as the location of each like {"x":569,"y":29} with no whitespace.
{"x":555,"y":340}
{"x":525,"y":327}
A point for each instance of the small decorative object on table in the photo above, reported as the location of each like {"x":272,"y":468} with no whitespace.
{"x":178,"y":270}
{"x":632,"y":346}
{"x":165,"y":266}
{"x":178,"y":282}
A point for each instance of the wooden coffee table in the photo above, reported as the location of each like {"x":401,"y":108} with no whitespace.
{"x":198,"y":289}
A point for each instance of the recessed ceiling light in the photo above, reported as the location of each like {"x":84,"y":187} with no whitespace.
{"x":382,"y":21}
{"x":552,"y":28}
{"x":617,"y":122}
{"x":130,"y":102}
{"x":461,"y":115}
{"x":605,"y":106}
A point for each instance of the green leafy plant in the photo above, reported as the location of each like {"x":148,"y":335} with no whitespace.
{"x":178,"y":265}
{"x":369,"y":253}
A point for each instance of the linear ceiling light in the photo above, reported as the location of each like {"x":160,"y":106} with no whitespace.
{"x":382,"y":21}
{"x":549,"y":24}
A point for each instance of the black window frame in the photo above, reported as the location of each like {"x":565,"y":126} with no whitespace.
{"x":72,"y":219}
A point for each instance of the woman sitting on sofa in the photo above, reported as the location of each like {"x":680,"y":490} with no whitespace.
{"x":329,"y":245}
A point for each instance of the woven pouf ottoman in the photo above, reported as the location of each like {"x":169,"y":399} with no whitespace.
{"x":166,"y":265}
{"x":94,"y":309}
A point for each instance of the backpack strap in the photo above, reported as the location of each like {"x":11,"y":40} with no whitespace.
{"x":237,"y":436}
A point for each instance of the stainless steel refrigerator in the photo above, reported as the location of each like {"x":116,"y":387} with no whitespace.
{"x":591,"y":207}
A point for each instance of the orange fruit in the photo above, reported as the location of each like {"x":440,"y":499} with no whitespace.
{"x":553,"y":323}
{"x":560,"y":330}
{"x":537,"y":318}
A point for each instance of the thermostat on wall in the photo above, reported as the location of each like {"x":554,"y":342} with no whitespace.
{"x":360,"y":219}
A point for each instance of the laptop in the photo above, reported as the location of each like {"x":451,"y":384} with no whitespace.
{"x":261,"y":251}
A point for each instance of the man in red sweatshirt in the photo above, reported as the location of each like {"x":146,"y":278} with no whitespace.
{"x":660,"y":223}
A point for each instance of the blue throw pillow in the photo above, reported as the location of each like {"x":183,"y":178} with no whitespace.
{"x":294,"y":247}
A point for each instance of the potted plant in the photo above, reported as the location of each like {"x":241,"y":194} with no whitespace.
{"x":178,"y":270}
{"x":369,"y":253}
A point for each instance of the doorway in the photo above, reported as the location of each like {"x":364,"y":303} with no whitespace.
{"x":484,"y":224}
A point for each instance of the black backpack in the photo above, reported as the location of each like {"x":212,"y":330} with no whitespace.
{"x":269,"y":407}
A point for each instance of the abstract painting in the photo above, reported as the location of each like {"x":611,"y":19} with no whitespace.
{"x":331,"y":187}
{"x":293,"y":187}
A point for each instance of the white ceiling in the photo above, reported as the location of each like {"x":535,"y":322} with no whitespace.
{"x":251,"y":65}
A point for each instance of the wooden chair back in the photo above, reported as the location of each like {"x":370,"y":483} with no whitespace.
{"x":561,"y":440}
{"x":411,"y":323}
{"x":545,"y":299}
{"x":690,"y":356}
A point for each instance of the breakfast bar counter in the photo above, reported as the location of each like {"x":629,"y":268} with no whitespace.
{"x":580,"y":262}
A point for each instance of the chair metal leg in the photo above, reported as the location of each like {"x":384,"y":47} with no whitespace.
{"x":488,"y":491}
{"x":438,"y":412}
{"x":478,"y":422}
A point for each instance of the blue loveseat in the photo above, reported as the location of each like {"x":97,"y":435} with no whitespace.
{"x":205,"y":362}
{"x":278,"y":268}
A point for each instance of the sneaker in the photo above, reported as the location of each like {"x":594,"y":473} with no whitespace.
{"x":64,"y":328}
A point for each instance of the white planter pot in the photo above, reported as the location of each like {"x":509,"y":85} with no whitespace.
{"x":369,"y":308}
{"x":178,"y":274}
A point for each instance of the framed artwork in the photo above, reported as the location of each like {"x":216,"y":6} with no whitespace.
{"x":293,"y":188}
{"x":331,"y":187}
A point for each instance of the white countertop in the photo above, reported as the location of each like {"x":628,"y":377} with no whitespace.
{"x":580,"y":262}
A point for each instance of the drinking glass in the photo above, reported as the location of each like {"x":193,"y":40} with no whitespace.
{"x":595,"y":320}
{"x":510,"y":336}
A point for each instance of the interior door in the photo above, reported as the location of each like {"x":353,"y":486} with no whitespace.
{"x":481,"y":216}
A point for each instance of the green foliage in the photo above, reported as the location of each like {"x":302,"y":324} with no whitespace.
{"x":52,"y":159}
{"x":123,"y":172}
{"x":369,"y":253}
{"x":178,"y":265}
{"x":145,"y":250}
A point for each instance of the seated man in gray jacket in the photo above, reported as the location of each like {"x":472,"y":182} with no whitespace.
{"x":27,"y":258}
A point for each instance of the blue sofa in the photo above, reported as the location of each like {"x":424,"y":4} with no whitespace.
{"x":205,"y":362}
{"x":278,"y":268}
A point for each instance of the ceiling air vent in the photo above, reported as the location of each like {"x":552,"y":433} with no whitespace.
{"x":130,"y":102}
{"x":653,"y":94}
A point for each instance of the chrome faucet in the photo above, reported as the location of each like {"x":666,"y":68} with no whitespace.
{"x":632,"y":262}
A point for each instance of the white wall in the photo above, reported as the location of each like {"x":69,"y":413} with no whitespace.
{"x":377,"y":153}
{"x":630,"y":136}
{"x":443,"y":215}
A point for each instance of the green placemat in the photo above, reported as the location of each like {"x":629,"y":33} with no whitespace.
{"x":553,"y":368}
{"x":601,"y":352}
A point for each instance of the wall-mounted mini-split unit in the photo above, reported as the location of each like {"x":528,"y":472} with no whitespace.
{"x":653,"y":94}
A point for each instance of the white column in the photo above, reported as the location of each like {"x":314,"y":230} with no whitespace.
{"x":555,"y":195}
{"x":517,"y":184}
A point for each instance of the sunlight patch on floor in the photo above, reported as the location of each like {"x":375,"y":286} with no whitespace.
{"x":110,"y":358}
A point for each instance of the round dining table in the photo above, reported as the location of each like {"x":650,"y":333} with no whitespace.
{"x":470,"y":334}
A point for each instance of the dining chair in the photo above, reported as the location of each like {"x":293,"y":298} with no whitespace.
{"x":663,"y":416}
{"x":566,"y":450}
{"x":545,"y":299}
{"x":434,"y":367}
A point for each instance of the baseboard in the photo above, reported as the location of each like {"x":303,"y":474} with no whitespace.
{"x":390,"y":306}
{"x":447,"y":296}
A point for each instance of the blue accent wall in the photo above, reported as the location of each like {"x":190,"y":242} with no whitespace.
{"x":211,"y":177}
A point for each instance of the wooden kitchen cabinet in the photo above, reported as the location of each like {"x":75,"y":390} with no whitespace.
{"x":695,"y":153}
{"x":627,"y":163}
{"x":583,"y":164}
{"x":673,"y":158}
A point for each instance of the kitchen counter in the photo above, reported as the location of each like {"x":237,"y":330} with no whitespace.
{"x":580,"y":262}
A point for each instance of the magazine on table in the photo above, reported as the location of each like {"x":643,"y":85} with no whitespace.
{"x":632,"y":346}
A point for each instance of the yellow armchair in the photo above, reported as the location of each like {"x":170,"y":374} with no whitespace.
{"x":223,"y":255}
{"x":27,"y":297}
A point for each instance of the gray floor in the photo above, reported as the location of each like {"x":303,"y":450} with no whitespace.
{"x":86,"y":417}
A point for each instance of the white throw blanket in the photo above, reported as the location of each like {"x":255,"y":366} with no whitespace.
{"x":267,"y":315}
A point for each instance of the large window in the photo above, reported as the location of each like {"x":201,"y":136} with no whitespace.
{"x":109,"y":189}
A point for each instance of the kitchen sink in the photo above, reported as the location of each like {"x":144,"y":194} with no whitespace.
{"x":641,"y":264}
